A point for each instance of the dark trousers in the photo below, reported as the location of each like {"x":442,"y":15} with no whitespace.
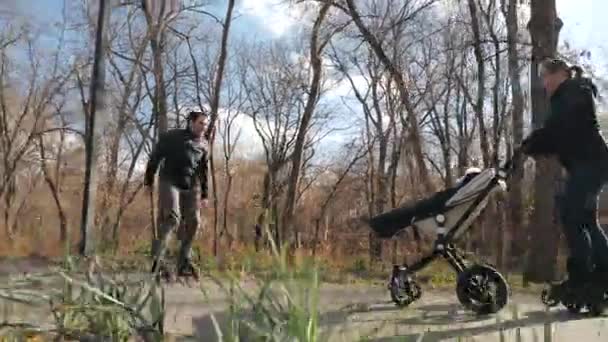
{"x":586,"y":240}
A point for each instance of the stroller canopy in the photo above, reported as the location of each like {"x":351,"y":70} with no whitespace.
{"x":389,"y":223}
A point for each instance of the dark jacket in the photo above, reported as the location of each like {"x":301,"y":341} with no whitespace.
{"x":184,"y":159}
{"x":571,"y":132}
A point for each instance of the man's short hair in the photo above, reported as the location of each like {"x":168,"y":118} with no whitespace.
{"x":193,"y":115}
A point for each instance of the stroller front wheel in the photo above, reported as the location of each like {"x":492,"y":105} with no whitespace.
{"x":403,"y":289}
{"x":482,"y":289}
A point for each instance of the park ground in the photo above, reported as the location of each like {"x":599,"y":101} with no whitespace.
{"x":360,"y":309}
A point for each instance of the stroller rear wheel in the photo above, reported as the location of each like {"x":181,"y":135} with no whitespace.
{"x":482,"y":289}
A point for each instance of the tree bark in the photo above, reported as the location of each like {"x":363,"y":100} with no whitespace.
{"x":215,"y":105}
{"x":481,"y":81}
{"x":97,"y":107}
{"x":156,"y":33}
{"x":55,"y":190}
{"x":516,"y":213}
{"x":544,"y":27}
{"x":289,"y":232}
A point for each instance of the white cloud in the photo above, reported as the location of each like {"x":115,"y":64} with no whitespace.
{"x":344,"y":88}
{"x":276,"y":16}
{"x":249,"y":144}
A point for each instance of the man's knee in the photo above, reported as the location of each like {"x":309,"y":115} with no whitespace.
{"x":192,"y":225}
{"x":170,"y":220}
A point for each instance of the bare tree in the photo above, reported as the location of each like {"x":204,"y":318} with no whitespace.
{"x":481,"y":82}
{"x":53,"y":177}
{"x":23,"y":116}
{"x":335,"y":188}
{"x":230,"y":139}
{"x":273,"y":84}
{"x":97,"y":106}
{"x":316,"y":47}
{"x":158,"y":15}
{"x":128,"y":99}
{"x":215,"y":104}
{"x":510,"y":9}
{"x":375,"y":44}
{"x":544,"y":27}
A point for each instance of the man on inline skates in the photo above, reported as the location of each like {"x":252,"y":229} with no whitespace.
{"x":182,"y":189}
{"x":571,"y":133}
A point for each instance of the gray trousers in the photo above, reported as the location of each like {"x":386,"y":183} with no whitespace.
{"x":176,"y":205}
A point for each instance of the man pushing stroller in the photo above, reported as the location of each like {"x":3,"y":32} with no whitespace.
{"x":571,"y":133}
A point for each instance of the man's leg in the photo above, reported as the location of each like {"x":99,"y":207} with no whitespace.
{"x":599,"y":240}
{"x":190,"y":208}
{"x":573,"y":219}
{"x":169,"y":214}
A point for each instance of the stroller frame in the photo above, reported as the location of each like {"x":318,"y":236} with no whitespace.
{"x":443,"y":244}
{"x":472,"y":279}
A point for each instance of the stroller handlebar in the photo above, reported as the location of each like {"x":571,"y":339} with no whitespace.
{"x":507,"y":166}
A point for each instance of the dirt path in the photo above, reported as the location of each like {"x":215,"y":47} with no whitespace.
{"x":353,"y":312}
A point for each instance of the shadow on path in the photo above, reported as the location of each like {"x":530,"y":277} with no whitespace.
{"x":459,"y":322}
{"x":205,"y":327}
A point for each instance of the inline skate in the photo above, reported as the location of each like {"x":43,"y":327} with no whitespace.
{"x":591,"y":296}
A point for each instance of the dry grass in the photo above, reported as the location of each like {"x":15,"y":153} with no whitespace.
{"x":342,"y":253}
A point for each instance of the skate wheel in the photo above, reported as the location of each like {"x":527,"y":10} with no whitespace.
{"x":482,"y":289}
{"x":597,"y":309}
{"x":547,"y":299}
{"x":574,"y":308}
{"x":403,"y":290}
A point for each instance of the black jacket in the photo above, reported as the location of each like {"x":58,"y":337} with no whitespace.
{"x":184,"y":159}
{"x":571,"y":132}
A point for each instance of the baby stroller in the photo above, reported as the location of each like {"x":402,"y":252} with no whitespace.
{"x":446,"y":216}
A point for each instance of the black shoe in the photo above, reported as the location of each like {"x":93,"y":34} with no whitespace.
{"x":160,"y":271}
{"x":187,"y":269}
{"x":600,"y":277}
{"x":561,"y":291}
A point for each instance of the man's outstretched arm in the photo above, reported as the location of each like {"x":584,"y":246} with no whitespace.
{"x":157,"y":155}
{"x":203,"y":174}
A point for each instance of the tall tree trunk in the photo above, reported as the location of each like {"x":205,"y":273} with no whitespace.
{"x":160,"y":96}
{"x":215,"y":105}
{"x":221,"y":65}
{"x":157,"y":14}
{"x":55,"y":190}
{"x":381,"y":178}
{"x":261,"y":227}
{"x":392,"y":172}
{"x":215,"y":200}
{"x":516,"y":214}
{"x":289,"y":231}
{"x":375,"y":247}
{"x":97,"y":107}
{"x":544,"y":27}
{"x":111,"y":184}
{"x":481,"y":81}
{"x":229,"y":236}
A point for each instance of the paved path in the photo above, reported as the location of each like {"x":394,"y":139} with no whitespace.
{"x":352,"y":312}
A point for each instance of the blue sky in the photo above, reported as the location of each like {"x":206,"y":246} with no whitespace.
{"x":584,"y":19}
{"x":585,"y":26}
